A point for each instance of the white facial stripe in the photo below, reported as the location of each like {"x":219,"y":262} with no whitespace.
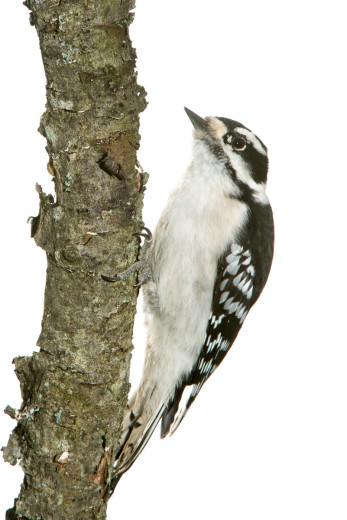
{"x":243,"y":174}
{"x":252,"y":139}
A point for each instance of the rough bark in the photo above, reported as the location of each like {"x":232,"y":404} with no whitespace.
{"x":75,"y":389}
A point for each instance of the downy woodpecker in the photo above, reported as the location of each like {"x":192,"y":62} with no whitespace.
{"x":202,"y":271}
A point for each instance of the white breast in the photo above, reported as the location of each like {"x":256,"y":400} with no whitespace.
{"x":198,"y":223}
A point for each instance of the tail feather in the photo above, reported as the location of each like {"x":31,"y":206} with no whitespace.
{"x":177,"y":409}
{"x":170,"y":412}
{"x":130,"y":421}
{"x":123,"y":464}
{"x":180,"y":416}
{"x":139,"y":426}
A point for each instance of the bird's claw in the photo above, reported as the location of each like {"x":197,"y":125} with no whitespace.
{"x":147,"y":235}
{"x":138,"y":285}
{"x":110,"y":279}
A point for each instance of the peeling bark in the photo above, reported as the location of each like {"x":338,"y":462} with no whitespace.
{"x":75,"y":389}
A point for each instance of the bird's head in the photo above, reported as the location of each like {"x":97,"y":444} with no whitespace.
{"x":241,"y":152}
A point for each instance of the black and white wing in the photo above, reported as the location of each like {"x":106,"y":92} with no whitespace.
{"x":235,"y":291}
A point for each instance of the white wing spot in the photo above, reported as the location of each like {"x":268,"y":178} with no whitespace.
{"x":223,"y":297}
{"x":230,"y":306}
{"x":219,"y":321}
{"x":201,"y":365}
{"x":238,"y":278}
{"x":243,"y":317}
{"x":227,"y":304}
{"x":241,"y":285}
{"x":208,"y":366}
{"x":236,"y":249}
{"x":231,"y":259}
{"x":251,"y":270}
{"x":210,"y":347}
{"x":233,"y":307}
{"x":240,"y":311}
{"x":250,"y":292}
{"x":232,"y":269}
{"x":222,"y":287}
{"x":225,"y":345}
{"x":246,"y":286}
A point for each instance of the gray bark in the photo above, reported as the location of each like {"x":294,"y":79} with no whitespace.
{"x":75,"y":389}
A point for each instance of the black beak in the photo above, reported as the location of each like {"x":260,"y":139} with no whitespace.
{"x":197,"y":121}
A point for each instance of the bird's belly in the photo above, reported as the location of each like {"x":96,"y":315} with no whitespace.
{"x":184,"y":281}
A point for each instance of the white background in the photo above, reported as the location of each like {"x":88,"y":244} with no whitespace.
{"x":267,"y":436}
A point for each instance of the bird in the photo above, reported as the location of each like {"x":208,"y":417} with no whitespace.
{"x":201,"y":271}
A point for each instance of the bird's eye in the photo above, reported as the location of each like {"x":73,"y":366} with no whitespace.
{"x":239,"y":143}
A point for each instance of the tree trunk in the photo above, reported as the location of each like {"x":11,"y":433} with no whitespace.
{"x":75,"y":389}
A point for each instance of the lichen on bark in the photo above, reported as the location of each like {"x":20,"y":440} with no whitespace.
{"x":75,"y":389}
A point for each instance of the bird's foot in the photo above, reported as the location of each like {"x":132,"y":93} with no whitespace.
{"x":141,"y":266}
